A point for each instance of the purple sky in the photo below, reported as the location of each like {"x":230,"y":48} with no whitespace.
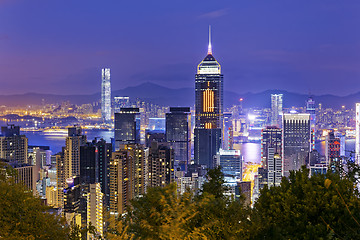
{"x":59,"y":46}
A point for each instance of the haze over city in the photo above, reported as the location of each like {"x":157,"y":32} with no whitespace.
{"x":48,"y":46}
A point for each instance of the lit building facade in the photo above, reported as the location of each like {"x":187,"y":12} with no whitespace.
{"x":332,"y":151}
{"x":105,"y":95}
{"x":13,"y":146}
{"x":127,"y":176}
{"x":121,"y":102}
{"x":311,"y":109}
{"x":357,"y":133}
{"x":178,"y":135}
{"x":95,"y":208}
{"x":296,"y":141}
{"x":230,"y":162}
{"x":271,"y":155}
{"x":228,"y":133}
{"x":126,"y":129}
{"x":208,"y":110}
{"x":160,"y":165}
{"x":68,"y":162}
{"x":276,"y":109}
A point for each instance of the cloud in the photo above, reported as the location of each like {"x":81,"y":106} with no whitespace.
{"x":215,"y":14}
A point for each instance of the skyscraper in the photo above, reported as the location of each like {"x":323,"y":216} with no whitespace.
{"x":310,"y":108}
{"x":296,"y":141}
{"x":228,"y":133}
{"x":160,"y":165}
{"x":68,"y":162}
{"x":357,"y":134}
{"x":105,"y":95}
{"x":178,"y":131}
{"x":127,"y":176}
{"x":332,"y":151}
{"x":95,"y":208}
{"x":13,"y":146}
{"x":276,"y":109}
{"x":125,"y":127}
{"x":208,"y":109}
{"x":271,"y":155}
{"x":231,"y":164}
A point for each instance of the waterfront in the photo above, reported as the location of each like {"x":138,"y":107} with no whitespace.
{"x":250,"y":151}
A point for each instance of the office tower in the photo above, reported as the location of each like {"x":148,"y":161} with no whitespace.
{"x":228,"y":135}
{"x":296,"y":141}
{"x":105,"y":95}
{"x":72,"y":151}
{"x":332,"y":150}
{"x":13,"y":146}
{"x":127,"y":176}
{"x":310,"y":108}
{"x":121,"y":102}
{"x":104,"y":151}
{"x":88,"y":164}
{"x":271,"y":155}
{"x":94,"y":165}
{"x":160,"y":165}
{"x":208,"y":109}
{"x":276,"y":109}
{"x":357,"y":133}
{"x":178,"y":135}
{"x":95,"y":208}
{"x":230,"y":162}
{"x":126,"y":130}
{"x":68,"y":162}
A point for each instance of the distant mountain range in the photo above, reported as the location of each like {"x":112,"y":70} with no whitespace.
{"x":182,"y":97}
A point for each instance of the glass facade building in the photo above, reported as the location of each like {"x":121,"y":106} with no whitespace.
{"x":208,"y":110}
{"x":296,"y":141}
{"x":105,"y":95}
{"x":178,"y":135}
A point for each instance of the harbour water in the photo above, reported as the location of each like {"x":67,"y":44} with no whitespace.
{"x":250,"y":151}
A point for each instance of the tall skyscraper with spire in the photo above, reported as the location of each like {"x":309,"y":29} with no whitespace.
{"x":208,"y":109}
{"x":105,"y":95}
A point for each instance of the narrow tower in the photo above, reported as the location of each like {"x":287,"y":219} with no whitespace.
{"x":105,"y":95}
{"x":208,"y":109}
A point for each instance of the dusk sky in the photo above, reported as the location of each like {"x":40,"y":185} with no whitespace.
{"x":53,"y":46}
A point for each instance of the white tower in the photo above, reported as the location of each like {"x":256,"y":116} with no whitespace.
{"x":105,"y":95}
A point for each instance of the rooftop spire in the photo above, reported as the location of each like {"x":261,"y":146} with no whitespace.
{"x":209,"y":47}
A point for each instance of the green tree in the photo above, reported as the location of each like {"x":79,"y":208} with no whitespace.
{"x":220,"y":215}
{"x":319,"y":207}
{"x":215,"y":184}
{"x":161,"y":214}
{"x":164,"y":214}
{"x":22,"y":216}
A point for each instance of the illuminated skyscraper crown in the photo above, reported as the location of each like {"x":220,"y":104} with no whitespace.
{"x":209,"y":65}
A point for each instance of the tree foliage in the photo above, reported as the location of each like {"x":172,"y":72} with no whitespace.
{"x":164,"y":214}
{"x":22,"y":216}
{"x":319,"y":207}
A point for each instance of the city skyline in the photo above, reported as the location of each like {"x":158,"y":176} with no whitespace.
{"x":291,"y":46}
